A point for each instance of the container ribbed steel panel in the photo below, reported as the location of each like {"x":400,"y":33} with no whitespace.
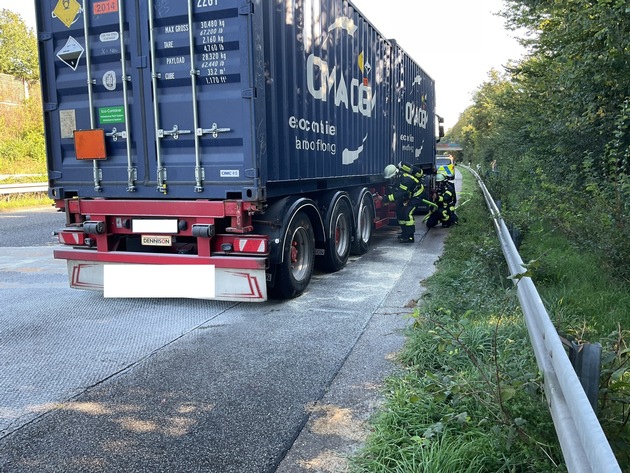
{"x":414,"y":111}
{"x":218,"y":99}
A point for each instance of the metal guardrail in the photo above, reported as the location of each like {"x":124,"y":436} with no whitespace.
{"x":23,"y":188}
{"x":584,"y":445}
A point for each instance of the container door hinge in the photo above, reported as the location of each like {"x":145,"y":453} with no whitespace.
{"x":249,"y":93}
{"x":247,"y":9}
{"x":51,"y":106}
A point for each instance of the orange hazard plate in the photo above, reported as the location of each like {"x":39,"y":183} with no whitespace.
{"x":90,"y":144}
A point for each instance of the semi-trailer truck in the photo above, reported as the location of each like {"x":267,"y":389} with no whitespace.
{"x":222,"y":149}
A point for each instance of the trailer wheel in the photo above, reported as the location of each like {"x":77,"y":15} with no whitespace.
{"x":294,"y":272}
{"x":339,"y":233}
{"x":365,"y":225}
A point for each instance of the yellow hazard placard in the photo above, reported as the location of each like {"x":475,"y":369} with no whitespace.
{"x":66,"y":11}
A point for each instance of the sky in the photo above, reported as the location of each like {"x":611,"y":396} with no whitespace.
{"x":456,"y":42}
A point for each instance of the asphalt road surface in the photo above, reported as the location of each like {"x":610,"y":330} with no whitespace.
{"x":89,"y":384}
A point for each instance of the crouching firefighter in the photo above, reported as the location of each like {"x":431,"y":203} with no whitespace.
{"x":443,"y":204}
{"x":406,"y":192}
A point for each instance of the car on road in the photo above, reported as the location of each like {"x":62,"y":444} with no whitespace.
{"x":445,"y":164}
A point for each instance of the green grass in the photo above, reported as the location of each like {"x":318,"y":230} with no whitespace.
{"x":581,"y":295}
{"x":13,"y":202}
{"x":470,"y":397}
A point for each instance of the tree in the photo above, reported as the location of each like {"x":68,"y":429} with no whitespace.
{"x":18,"y":47}
{"x":559,"y":122}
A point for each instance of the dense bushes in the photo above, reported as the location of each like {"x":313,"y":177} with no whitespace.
{"x":22,"y":147}
{"x":558,"y":124}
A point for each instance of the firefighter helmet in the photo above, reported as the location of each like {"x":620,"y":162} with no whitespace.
{"x":439,"y":177}
{"x":390,"y":171}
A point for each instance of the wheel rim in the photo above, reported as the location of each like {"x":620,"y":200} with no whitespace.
{"x":365,"y":228}
{"x":342,"y":235}
{"x":301,"y":249}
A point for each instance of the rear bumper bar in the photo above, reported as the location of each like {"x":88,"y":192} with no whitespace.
{"x":239,"y":279}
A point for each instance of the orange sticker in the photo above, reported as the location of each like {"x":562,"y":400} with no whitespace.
{"x":108,"y":6}
{"x":90,"y":144}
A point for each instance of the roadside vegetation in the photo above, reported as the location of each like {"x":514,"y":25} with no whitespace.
{"x":551,"y":137}
{"x":469,"y":395}
{"x":22,"y":148}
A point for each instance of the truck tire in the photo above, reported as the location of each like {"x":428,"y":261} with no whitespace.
{"x":339,"y":236}
{"x":294,"y":272}
{"x":365,"y":225}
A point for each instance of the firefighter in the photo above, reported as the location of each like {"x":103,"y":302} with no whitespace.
{"x":450,"y":185}
{"x":407,"y":194}
{"x":444,"y":199}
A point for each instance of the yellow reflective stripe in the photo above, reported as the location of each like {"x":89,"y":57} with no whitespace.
{"x":419,"y":191}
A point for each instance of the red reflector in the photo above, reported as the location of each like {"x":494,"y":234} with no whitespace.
{"x":72,"y":238}
{"x":90,"y":144}
{"x":250,"y":245}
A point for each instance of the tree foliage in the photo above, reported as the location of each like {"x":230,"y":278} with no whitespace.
{"x":18,"y":47}
{"x":558,"y":121}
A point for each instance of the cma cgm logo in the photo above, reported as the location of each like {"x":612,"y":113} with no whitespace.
{"x":356,"y":95}
{"x":416,"y":116}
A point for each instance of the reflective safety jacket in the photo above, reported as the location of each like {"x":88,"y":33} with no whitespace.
{"x":445,"y":198}
{"x":409,"y":184}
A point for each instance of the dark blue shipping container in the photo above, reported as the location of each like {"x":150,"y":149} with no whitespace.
{"x":218,"y":99}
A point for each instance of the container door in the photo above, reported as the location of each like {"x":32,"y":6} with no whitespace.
{"x":202,"y":98}
{"x":148,"y":98}
{"x":91,"y":75}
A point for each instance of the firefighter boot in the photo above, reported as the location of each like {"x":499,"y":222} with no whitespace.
{"x":407,"y":234}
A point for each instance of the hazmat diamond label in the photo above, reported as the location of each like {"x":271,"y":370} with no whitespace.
{"x":71,"y":53}
{"x":67,"y":11}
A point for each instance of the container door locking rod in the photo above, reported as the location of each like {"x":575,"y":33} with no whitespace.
{"x":159,"y":133}
{"x":131,"y":171}
{"x":199,"y":172}
{"x":96,"y":172}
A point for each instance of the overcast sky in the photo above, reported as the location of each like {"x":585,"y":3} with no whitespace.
{"x":456,"y":42}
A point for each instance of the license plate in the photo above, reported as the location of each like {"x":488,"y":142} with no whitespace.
{"x":157,"y":240}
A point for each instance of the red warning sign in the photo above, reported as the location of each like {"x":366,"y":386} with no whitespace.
{"x":108,"y":6}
